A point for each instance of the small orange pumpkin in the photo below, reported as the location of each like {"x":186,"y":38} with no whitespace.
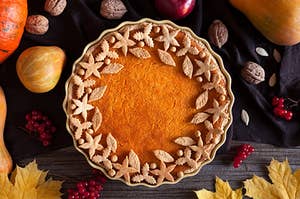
{"x":39,"y":67}
{"x":5,"y":158}
{"x":13,"y":14}
{"x":278,"y":21}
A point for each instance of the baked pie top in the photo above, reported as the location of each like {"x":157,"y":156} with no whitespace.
{"x":148,"y":103}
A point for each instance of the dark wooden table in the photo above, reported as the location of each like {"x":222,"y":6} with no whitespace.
{"x":69,"y":165}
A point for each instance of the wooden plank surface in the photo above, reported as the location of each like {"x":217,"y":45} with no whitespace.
{"x":69,"y":165}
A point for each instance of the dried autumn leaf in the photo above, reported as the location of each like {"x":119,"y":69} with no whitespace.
{"x":285,"y":184}
{"x":223,"y":190}
{"x":29,"y":182}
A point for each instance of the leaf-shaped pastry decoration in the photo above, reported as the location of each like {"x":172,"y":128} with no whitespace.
{"x":140,"y":53}
{"x":138,"y":178}
{"x":138,"y":36}
{"x":112,"y":68}
{"x":202,"y":100}
{"x":245,"y":117}
{"x":187,"y":67}
{"x":97,"y":119}
{"x":185,"y":141}
{"x":199,"y":118}
{"x":134,"y":160}
{"x":111,"y":143}
{"x":166,"y":58}
{"x":97,"y":93}
{"x":163,"y":156}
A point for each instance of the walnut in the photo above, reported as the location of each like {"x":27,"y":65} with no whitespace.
{"x":55,"y":7}
{"x":112,"y":9}
{"x":217,"y":33}
{"x":253,"y":73}
{"x":37,"y":24}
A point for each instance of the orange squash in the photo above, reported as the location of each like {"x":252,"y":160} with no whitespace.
{"x":278,"y":21}
{"x":39,"y":67}
{"x":13,"y":14}
{"x":5,"y":158}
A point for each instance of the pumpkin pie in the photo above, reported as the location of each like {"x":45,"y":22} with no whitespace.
{"x":148,"y":103}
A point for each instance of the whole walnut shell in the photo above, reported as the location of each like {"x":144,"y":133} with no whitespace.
{"x":112,"y":9}
{"x":55,"y":7}
{"x":217,"y":33}
{"x":37,"y":24}
{"x":253,"y":73}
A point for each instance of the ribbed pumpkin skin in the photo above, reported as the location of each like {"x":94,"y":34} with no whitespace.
{"x":39,"y":67}
{"x":5,"y":158}
{"x":277,"y":20}
{"x":13,"y":14}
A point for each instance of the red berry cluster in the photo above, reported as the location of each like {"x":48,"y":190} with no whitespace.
{"x":88,"y":189}
{"x":280,"y":109}
{"x":243,"y":152}
{"x":40,"y":124}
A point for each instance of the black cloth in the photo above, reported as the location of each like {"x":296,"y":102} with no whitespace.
{"x":81,"y":23}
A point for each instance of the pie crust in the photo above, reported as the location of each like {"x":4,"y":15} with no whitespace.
{"x":148,"y":103}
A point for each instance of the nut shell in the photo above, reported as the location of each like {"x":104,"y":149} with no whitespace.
{"x":55,"y":7}
{"x":112,"y":9}
{"x":37,"y":24}
{"x":217,"y":33}
{"x":253,"y":73}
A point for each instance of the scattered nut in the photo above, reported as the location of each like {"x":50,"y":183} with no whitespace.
{"x":112,"y":9}
{"x":37,"y":24}
{"x":217,"y":33}
{"x":253,"y":73}
{"x":55,"y":7}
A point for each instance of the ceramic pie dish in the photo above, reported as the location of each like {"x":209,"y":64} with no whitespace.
{"x":148,"y":103}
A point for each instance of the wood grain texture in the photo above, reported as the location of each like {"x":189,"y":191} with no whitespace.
{"x":69,"y":165}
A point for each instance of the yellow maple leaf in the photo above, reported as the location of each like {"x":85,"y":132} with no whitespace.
{"x":223,"y":191}
{"x":29,"y":183}
{"x":285,"y":184}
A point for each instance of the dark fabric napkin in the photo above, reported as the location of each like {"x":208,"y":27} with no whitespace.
{"x":81,"y":23}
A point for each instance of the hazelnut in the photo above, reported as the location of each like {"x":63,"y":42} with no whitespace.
{"x":37,"y":24}
{"x":112,"y":9}
{"x":55,"y":7}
